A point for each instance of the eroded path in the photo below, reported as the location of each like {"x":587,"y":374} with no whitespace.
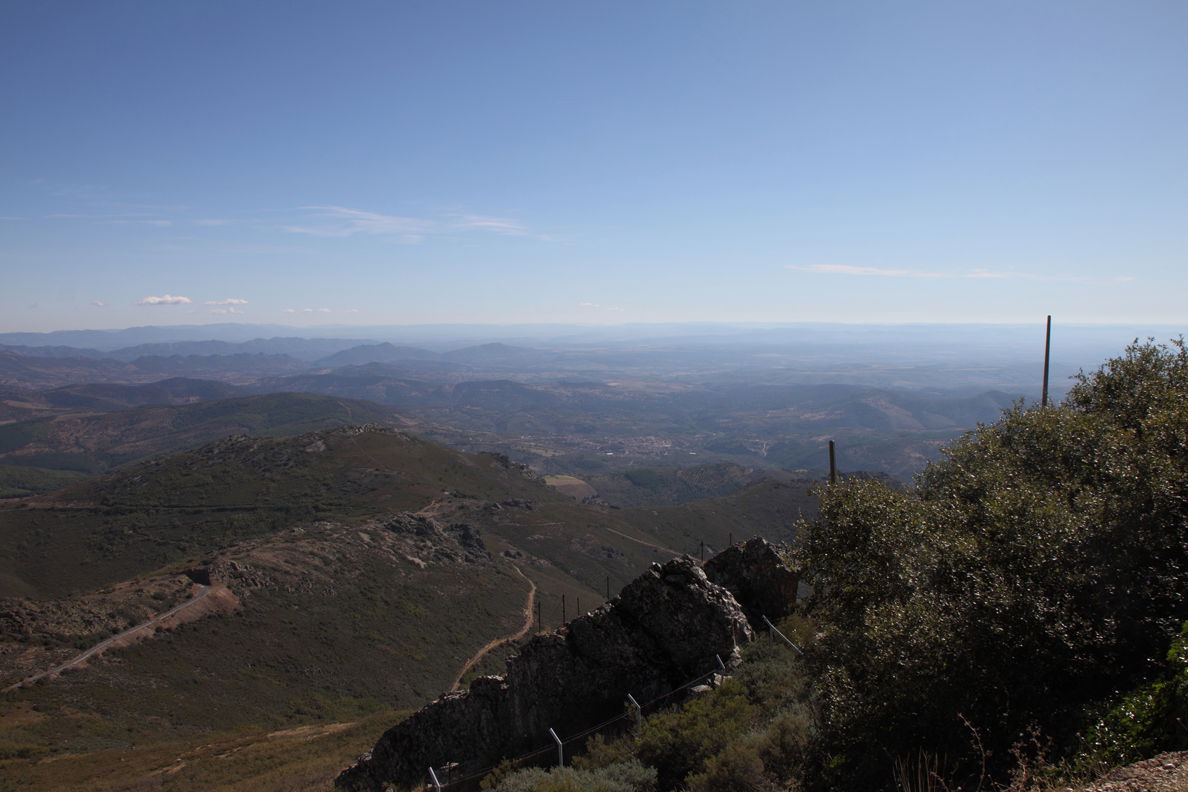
{"x":645,"y":544}
{"x":529,"y":606}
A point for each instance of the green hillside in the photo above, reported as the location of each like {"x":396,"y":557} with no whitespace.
{"x":92,"y":441}
{"x":362,"y":568}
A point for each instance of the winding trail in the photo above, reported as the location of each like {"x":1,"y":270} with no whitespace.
{"x":104,"y":644}
{"x":494,"y":642}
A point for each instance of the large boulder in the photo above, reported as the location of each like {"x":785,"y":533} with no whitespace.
{"x":758,"y":578}
{"x":662,"y":631}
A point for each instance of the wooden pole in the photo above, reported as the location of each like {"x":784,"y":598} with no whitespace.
{"x":832,"y":463}
{"x":1047,"y":357}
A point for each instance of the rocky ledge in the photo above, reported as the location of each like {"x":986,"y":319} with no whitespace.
{"x":663,"y":630}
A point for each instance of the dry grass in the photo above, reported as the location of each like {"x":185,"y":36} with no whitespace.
{"x":303,"y":758}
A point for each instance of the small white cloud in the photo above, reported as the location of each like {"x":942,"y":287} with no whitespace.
{"x":165,"y":299}
{"x":352,"y":310}
{"x":98,"y":303}
{"x":228,"y":301}
{"x":231,"y":310}
{"x":323,"y":310}
{"x":307,"y":310}
{"x":289,"y":310}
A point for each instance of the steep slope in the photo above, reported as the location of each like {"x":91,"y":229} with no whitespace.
{"x":769,"y":508}
{"x":364,"y":568}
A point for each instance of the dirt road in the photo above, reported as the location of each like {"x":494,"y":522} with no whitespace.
{"x":99,"y":647}
{"x":528,"y":608}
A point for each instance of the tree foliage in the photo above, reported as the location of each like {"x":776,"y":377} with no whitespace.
{"x":1040,"y":566}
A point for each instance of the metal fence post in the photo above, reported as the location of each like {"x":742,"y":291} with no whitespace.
{"x":638,"y":712}
{"x":560,"y":748}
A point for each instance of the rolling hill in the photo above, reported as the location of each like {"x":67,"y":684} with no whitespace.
{"x":362,"y":568}
{"x":86,"y":440}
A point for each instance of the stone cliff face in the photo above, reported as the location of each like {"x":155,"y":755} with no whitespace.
{"x":754,"y":573}
{"x":662,"y":630}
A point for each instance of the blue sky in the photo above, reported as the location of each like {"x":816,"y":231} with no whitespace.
{"x":422,"y":162}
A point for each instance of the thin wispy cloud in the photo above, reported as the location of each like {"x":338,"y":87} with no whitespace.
{"x":126,"y":219}
{"x":342,"y":221}
{"x":98,"y":303}
{"x":228,"y":301}
{"x":600,"y":307}
{"x":848,"y":269}
{"x":165,"y":299}
{"x":497,"y":225}
{"x":976,"y":274}
{"x":345,"y":221}
{"x":230,"y":310}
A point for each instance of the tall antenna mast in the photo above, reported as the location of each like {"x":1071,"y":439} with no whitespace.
{"x":1047,"y":357}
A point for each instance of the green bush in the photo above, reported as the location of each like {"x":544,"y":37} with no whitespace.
{"x":601,"y":752}
{"x":629,"y":776}
{"x":1144,"y":722}
{"x":678,"y":743}
{"x":1039,"y":566}
{"x":739,"y":768}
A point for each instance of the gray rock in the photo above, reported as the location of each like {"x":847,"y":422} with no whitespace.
{"x":663,"y":630}
{"x":754,"y":573}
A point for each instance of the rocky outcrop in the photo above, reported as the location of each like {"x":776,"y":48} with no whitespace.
{"x":754,"y":573}
{"x":663,"y":630}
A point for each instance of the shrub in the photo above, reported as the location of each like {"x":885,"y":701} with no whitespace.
{"x":678,"y":743}
{"x":1145,"y":721}
{"x":601,"y":752}
{"x":1040,"y":565}
{"x":629,"y":776}
{"x":739,"y":768}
